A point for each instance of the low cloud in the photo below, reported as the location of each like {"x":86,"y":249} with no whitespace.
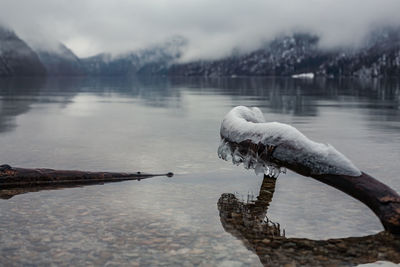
{"x":212,"y":28}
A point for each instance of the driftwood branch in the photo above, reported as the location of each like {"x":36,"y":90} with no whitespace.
{"x":21,"y":180}
{"x":380,"y":198}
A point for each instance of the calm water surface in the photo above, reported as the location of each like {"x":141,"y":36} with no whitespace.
{"x":172,"y":124}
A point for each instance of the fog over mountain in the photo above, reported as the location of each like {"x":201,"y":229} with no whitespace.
{"x":212,"y":28}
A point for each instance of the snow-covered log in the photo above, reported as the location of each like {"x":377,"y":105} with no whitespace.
{"x":270,"y":147}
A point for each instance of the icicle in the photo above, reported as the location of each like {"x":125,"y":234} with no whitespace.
{"x":259,"y":168}
{"x":249,"y":159}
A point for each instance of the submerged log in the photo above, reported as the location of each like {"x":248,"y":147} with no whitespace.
{"x":248,"y":139}
{"x":12,"y":177}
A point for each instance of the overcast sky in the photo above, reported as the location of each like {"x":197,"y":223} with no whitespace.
{"x":212,"y":27}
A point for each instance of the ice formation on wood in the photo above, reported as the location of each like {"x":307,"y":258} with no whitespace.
{"x":269,"y":147}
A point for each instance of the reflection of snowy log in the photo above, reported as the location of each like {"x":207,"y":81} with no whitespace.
{"x":20,"y":180}
{"x":248,"y":222}
{"x":270,"y":147}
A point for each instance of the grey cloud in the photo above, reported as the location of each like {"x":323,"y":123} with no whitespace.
{"x":213,"y":28}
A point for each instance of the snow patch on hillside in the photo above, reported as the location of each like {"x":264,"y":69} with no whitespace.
{"x":309,"y":75}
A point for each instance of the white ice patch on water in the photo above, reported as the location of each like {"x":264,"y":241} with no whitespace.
{"x":291,"y":146}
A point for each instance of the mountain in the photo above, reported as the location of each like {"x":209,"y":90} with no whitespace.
{"x":285,"y":56}
{"x":300,"y":53}
{"x":379,"y":56}
{"x":16,"y":57}
{"x":282,"y":57}
{"x":153,"y":60}
{"x":60,"y":60}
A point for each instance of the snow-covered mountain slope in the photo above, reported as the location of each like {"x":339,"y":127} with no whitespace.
{"x":300,"y":53}
{"x":153,"y":60}
{"x":60,"y":60}
{"x":16,"y":57}
{"x":290,"y":55}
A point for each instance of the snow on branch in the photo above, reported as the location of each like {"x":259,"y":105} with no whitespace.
{"x":270,"y":146}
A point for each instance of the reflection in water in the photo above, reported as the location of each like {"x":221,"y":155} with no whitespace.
{"x":17,"y":95}
{"x":281,"y":95}
{"x":302,"y":97}
{"x":248,"y":222}
{"x":11,"y":192}
{"x":11,"y":105}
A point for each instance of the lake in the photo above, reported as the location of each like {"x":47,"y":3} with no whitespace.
{"x":160,"y":124}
